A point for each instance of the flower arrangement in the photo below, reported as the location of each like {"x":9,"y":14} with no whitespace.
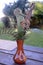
{"x":22,"y":24}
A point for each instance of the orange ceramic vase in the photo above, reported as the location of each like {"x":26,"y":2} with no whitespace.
{"x":19,"y":56}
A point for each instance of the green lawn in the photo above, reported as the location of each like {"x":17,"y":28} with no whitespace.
{"x":6,"y":37}
{"x":1,"y":24}
{"x":35,"y":39}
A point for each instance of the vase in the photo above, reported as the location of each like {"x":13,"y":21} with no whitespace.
{"x":19,"y":56}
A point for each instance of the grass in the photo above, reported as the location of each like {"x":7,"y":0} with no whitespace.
{"x":35,"y":39}
{"x":1,"y":24}
{"x":6,"y":37}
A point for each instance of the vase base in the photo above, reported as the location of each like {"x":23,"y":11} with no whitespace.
{"x":20,"y":62}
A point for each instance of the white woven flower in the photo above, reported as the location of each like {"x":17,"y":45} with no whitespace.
{"x":17,"y":12}
{"x":21,"y":21}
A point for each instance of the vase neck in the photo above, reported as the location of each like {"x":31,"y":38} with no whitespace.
{"x":20,"y":44}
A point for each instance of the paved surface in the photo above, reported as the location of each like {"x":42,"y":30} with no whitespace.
{"x":7,"y":45}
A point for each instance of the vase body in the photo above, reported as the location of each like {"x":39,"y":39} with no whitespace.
{"x":19,"y":56}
